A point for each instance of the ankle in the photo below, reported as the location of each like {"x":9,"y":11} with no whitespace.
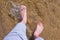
{"x":24,"y":21}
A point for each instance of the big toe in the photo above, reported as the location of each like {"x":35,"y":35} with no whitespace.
{"x":22,"y":7}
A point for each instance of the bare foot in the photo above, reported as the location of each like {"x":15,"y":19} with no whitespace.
{"x":38,"y":30}
{"x":23,"y":12}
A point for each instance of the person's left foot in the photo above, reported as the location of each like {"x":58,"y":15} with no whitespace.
{"x":23,"y":12}
{"x":38,"y":30}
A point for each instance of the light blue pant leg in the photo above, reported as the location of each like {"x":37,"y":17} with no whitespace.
{"x":39,"y":38}
{"x":18,"y":33}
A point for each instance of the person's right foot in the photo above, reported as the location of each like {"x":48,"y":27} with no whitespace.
{"x":23,"y":12}
{"x":38,"y":30}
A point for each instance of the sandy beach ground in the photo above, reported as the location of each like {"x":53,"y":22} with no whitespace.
{"x":46,"y":11}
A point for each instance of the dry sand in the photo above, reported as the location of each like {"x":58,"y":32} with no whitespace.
{"x":47,"y":11}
